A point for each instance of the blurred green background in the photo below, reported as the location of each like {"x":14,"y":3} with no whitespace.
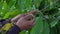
{"x":47,"y":21}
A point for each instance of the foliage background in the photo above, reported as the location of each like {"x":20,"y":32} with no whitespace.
{"x":47,"y":21}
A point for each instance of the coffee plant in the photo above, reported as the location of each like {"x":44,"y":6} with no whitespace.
{"x":47,"y":20}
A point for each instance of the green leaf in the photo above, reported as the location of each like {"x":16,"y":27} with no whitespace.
{"x":37,"y":3}
{"x":38,"y":28}
{"x":54,"y":22}
{"x":11,"y":14}
{"x":23,"y":5}
{"x":46,"y":29}
{"x":24,"y":32}
{"x":4,"y":5}
{"x":12,"y":2}
{"x":41,"y":27}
